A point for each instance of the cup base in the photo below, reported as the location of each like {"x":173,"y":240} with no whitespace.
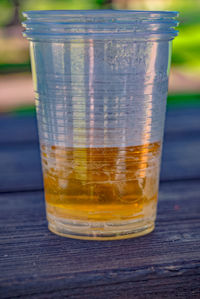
{"x":99,"y":231}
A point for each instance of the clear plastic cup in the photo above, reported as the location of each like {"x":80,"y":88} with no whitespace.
{"x":100,"y":80}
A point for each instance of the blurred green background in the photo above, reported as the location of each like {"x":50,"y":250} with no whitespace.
{"x":16,"y":92}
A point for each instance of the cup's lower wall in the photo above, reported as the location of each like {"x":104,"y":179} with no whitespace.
{"x":115,"y":230}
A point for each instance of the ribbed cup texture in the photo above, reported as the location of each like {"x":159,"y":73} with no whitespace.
{"x":100,"y":80}
{"x":103,"y":93}
{"x":100,"y":77}
{"x":100,"y":24}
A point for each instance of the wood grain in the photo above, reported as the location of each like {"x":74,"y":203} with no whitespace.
{"x":35,"y":263}
{"x":47,"y":265}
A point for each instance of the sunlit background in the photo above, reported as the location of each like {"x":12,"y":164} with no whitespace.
{"x":16,"y":91}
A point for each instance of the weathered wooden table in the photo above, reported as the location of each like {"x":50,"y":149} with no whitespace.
{"x":38,"y":264}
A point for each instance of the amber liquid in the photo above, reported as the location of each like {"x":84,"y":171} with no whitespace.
{"x":101,"y":184}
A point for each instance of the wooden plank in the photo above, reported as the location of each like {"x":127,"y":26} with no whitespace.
{"x":20,"y":162}
{"x":15,"y":129}
{"x":184,"y":121}
{"x":21,"y":169}
{"x":180,"y":160}
{"x":164,"y":264}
